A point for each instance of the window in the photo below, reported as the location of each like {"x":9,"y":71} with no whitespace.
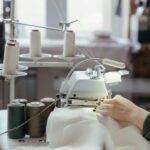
{"x":88,"y":12}
{"x":93,"y":15}
{"x":31,"y":12}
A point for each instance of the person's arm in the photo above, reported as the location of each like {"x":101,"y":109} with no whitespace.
{"x":123,"y":109}
{"x":146,"y":128}
{"x":138,"y":117}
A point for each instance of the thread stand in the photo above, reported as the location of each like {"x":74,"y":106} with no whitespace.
{"x":68,"y":59}
{"x":11,"y":80}
{"x":68,"y":63}
{"x":19,"y":67}
{"x":35,"y":61}
{"x":33,"y":64}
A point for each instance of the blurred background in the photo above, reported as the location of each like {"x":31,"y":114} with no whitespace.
{"x":115,"y":29}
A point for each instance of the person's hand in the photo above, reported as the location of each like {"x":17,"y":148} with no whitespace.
{"x":123,"y":109}
{"x":118,"y":108}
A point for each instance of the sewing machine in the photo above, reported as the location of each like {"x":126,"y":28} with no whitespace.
{"x":89,"y":87}
{"x":80,"y":127}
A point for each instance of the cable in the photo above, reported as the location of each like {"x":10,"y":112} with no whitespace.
{"x":74,"y":67}
{"x":28,"y":119}
{"x":80,"y":63}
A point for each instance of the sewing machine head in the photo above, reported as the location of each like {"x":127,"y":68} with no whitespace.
{"x":89,"y":87}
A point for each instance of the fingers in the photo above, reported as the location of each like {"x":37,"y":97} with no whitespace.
{"x":113,"y":102}
{"x":104,"y":112}
{"x":105,"y":108}
{"x":107,"y":101}
{"x":120,"y":98}
{"x":108,"y":106}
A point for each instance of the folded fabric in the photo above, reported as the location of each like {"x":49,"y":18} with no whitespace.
{"x":76,"y":129}
{"x":72,"y":129}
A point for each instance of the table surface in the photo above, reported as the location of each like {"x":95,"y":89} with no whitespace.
{"x":11,"y":144}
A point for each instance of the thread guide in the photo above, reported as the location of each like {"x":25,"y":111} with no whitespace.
{"x":43,"y":56}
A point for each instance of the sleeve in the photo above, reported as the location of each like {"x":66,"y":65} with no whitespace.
{"x":146,"y":128}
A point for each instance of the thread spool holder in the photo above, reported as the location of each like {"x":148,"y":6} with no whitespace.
{"x":63,"y":27}
{"x":35,"y":64}
{"x":19,"y":67}
{"x":11,"y":80}
{"x":36,"y":61}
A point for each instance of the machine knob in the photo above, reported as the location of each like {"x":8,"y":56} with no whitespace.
{"x":89,"y":71}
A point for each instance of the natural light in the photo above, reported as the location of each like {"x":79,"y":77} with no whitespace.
{"x":90,"y":14}
{"x":32,"y":12}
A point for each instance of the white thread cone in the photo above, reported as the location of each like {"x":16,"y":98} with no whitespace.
{"x":35,"y":43}
{"x":69,"y":44}
{"x":9,"y":63}
{"x":17,"y":51}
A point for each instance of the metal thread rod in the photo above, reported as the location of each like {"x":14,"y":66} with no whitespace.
{"x":12,"y":89}
{"x":10,"y":21}
{"x":64,"y":25}
{"x":12,"y":16}
{"x":26,"y":24}
{"x":73,"y":21}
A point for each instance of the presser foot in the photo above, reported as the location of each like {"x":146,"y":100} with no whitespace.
{"x":84,"y":103}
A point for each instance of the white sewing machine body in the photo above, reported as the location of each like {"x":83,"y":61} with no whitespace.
{"x":85,"y":86}
{"x":90,"y":85}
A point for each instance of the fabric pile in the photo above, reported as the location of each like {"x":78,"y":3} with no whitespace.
{"x":81,"y":128}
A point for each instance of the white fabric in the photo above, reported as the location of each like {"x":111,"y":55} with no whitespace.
{"x":83,"y":129}
{"x":74,"y":129}
{"x":77,"y":128}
